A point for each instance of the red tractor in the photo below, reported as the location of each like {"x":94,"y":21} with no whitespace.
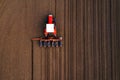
{"x":50,"y":39}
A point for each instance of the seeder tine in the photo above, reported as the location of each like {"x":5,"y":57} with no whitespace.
{"x":56,"y":44}
{"x":40,"y":43}
{"x":59,"y":43}
{"x":44,"y":43}
{"x":53,"y":44}
{"x":48,"y":44}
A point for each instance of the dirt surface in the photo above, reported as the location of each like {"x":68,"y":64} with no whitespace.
{"x":90,"y":40}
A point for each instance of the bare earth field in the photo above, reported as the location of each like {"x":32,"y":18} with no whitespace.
{"x":90,"y":34}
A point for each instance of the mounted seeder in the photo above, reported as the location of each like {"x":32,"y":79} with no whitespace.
{"x":50,"y":38}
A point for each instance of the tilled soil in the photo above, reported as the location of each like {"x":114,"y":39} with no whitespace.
{"x":90,"y":40}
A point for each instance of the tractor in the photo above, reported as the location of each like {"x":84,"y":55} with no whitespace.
{"x":50,"y":38}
